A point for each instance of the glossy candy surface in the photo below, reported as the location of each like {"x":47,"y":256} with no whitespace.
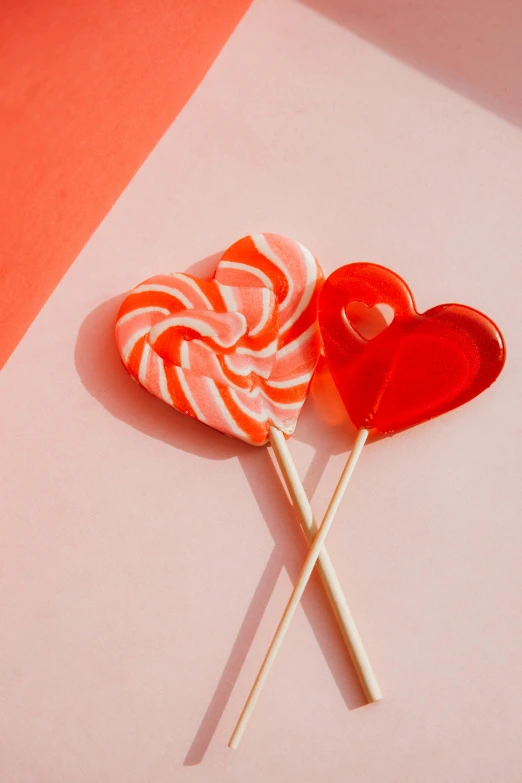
{"x":236,"y":352}
{"x":415,"y":368}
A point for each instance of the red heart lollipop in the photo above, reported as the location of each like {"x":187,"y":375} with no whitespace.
{"x":421,"y":365}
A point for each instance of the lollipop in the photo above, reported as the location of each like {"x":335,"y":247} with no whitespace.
{"x":420,"y":366}
{"x":238,"y":353}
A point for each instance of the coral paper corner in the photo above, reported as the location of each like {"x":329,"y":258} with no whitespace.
{"x":86,"y":91}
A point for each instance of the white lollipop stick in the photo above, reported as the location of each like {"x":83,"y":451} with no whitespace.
{"x":299,"y":588}
{"x":327,"y":573}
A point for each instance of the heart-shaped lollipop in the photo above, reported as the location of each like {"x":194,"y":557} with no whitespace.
{"x":418,"y":367}
{"x":237,"y":352}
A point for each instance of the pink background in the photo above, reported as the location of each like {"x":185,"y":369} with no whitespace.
{"x":146,"y":559}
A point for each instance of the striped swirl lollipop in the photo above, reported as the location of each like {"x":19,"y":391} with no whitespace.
{"x":238,"y":353}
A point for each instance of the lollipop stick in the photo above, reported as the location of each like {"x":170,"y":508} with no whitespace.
{"x":299,"y":588}
{"x":327,"y":573}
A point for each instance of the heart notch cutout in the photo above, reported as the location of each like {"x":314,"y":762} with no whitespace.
{"x":368,"y":322}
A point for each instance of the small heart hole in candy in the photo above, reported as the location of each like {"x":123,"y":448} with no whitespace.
{"x":368,"y":322}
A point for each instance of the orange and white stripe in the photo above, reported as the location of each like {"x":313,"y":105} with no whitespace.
{"x":237,"y":352}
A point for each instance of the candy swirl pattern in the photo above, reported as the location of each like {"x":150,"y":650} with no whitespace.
{"x":237,"y":352}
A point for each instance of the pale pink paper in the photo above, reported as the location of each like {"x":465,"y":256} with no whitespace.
{"x":145,"y":558}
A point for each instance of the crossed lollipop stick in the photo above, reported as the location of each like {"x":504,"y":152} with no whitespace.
{"x":317,"y":554}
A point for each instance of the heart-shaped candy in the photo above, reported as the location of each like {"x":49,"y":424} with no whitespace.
{"x":417,"y":367}
{"x":236,"y":352}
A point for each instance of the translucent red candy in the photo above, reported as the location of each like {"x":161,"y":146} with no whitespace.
{"x":418,"y":366}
